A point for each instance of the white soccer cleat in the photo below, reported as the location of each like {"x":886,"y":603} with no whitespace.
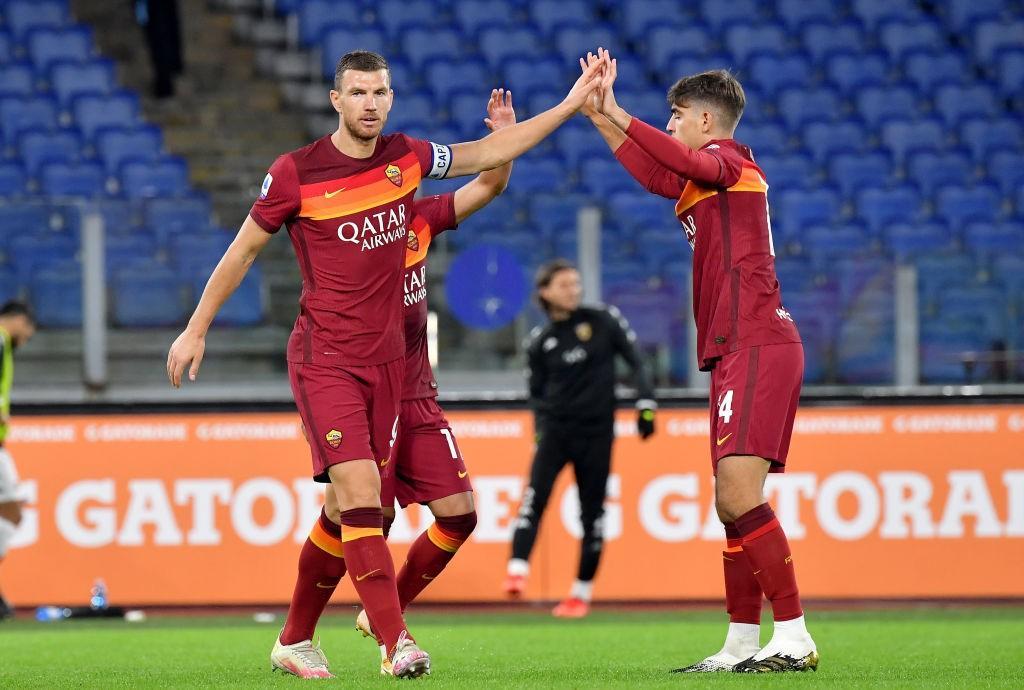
{"x":790,"y":649}
{"x":363,"y":626}
{"x":716,"y":663}
{"x":408,"y":660}
{"x":303,"y":659}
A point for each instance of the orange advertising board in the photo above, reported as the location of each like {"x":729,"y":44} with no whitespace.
{"x":213,"y":508}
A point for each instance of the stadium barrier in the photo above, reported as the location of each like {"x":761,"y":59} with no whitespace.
{"x":211,"y":508}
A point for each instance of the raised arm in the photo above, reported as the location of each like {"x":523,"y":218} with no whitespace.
{"x":485,"y":187}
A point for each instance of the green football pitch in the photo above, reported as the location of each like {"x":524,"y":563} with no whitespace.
{"x":952,"y":647}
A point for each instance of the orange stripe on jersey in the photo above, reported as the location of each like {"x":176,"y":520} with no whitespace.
{"x":418,"y":242}
{"x":345,"y":196}
{"x":750,"y":181}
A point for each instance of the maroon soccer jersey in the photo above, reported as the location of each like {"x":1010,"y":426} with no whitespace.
{"x":430,"y":216}
{"x":348,"y":221}
{"x":723,"y":207}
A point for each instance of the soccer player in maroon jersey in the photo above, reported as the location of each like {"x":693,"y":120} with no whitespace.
{"x":745,"y":338}
{"x":346,"y":200}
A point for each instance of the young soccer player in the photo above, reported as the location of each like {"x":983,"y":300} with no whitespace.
{"x":346,"y":200}
{"x":745,"y":337}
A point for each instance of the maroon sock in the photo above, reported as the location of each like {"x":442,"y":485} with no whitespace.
{"x":321,"y":567}
{"x":388,"y":521}
{"x":373,"y":572}
{"x":767,"y":549}
{"x":742,"y":591}
{"x":431,"y":552}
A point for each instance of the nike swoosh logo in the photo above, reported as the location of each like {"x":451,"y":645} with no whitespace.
{"x":325,"y":586}
{"x":723,"y":439}
{"x":331,"y":195}
{"x":427,"y":577}
{"x":383,"y":463}
{"x":462,"y":475}
{"x":756,"y":572}
{"x":360,"y":578}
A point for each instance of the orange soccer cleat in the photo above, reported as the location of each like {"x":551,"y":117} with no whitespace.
{"x":571,"y":608}
{"x":515,"y":585}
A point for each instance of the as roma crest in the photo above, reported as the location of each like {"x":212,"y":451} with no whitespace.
{"x":584,"y":331}
{"x":412,"y":242}
{"x":333,"y":438}
{"x":394,"y":174}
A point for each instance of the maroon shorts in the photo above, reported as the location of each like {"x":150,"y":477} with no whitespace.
{"x":754,"y":395}
{"x":426,"y":464}
{"x":349,"y":413}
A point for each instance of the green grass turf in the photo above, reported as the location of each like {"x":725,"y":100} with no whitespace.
{"x":917,"y":647}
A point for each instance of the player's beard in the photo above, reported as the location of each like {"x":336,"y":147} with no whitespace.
{"x":359,"y":131}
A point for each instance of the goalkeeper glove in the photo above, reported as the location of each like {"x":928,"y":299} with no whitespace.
{"x":645,"y":418}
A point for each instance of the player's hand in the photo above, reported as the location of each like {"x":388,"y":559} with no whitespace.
{"x":645,"y":423}
{"x":608,"y":103}
{"x":500,"y":112}
{"x":591,"y":106}
{"x":187,"y":350}
{"x":584,"y":86}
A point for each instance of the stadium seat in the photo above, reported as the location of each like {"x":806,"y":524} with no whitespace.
{"x":823,"y":245}
{"x":994,"y":239}
{"x":793,"y":171}
{"x":549,"y":14}
{"x":467,"y":111}
{"x":147,"y":295}
{"x":763,"y":139}
{"x":851,"y":172}
{"x":798,"y":107}
{"x":447,"y":76}
{"x":421,"y":45}
{"x":721,"y":15}
{"x":821,"y":39}
{"x":169,"y":217}
{"x":123,"y":251}
{"x":578,"y":142}
{"x":639,"y":211}
{"x":56,"y":295}
{"x":902,"y":137}
{"x":39,"y":146}
{"x":526,"y":74}
{"x":900,"y":37}
{"x":18,"y":115}
{"x":555,"y":214}
{"x":986,"y":136}
{"x":13,"y":179}
{"x":878,"y":105}
{"x":244,"y":307}
{"x":70,"y":79}
{"x":73,"y":180}
{"x":1010,"y":72}
{"x":906,"y":241}
{"x":958,"y":103}
{"x":574,"y":40}
{"x":851,"y":71}
{"x":538,"y":175}
{"x":939,"y":271}
{"x":10,"y":287}
{"x":474,"y":16}
{"x":772,"y":72}
{"x":743,"y":40}
{"x":16,"y":79}
{"x":340,"y":39}
{"x":47,"y":46}
{"x":20,"y":219}
{"x":197,"y":252}
{"x":6,"y":47}
{"x":688,"y":62}
{"x":863,"y":283}
{"x":1005,"y":169}
{"x":823,"y":140}
{"x":117,"y":146}
{"x":29,"y":253}
{"x":663,"y":41}
{"x":795,"y":14}
{"x":930,"y":170}
{"x":944,"y":346}
{"x":166,"y":177}
{"x":316,"y":15}
{"x":415,"y":110}
{"x":865,"y":349}
{"x":959,"y":206}
{"x":962,"y":14}
{"x":24,"y":15}
{"x":647,"y":104}
{"x":120,"y":109}
{"x":118,"y":215}
{"x":992,"y":36}
{"x":640,"y":16}
{"x":799,"y":209}
{"x":928,"y":69}
{"x":881,"y":207}
{"x":500,"y":43}
{"x":1008,"y":271}
{"x":874,"y":12}
{"x":395,"y":16}
{"x":604,"y":176}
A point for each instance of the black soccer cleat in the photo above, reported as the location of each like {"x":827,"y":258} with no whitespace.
{"x":779,"y":663}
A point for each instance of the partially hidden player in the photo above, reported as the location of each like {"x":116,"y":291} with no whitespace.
{"x":745,"y":338}
{"x":346,"y":200}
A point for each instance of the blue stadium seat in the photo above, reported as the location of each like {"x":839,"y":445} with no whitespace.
{"x":639,"y":16}
{"x":688,"y":62}
{"x":92,"y":112}
{"x":763,"y":139}
{"x":56,"y":295}
{"x":316,"y":15}
{"x":10,"y":286}
{"x":824,"y":140}
{"x":663,"y":41}
{"x":421,"y":45}
{"x":743,"y":40}
{"x":166,"y":177}
{"x":576,"y":143}
{"x":905,"y":241}
{"x":821,"y":39}
{"x":958,"y":103}
{"x":446,"y":77}
{"x":396,"y":16}
{"x":538,"y":101}
{"x":24,"y":15}
{"x":900,"y":37}
{"x":28,"y":253}
{"x":72,"y":180}
{"x":994,"y":239}
{"x":865,"y":349}
{"x":117,"y":146}
{"x":340,"y":39}
{"x":930,"y":170}
{"x":532,"y":175}
{"x":525,"y":74}
{"x":793,"y":171}
{"x":799,"y":209}
{"x":16,"y":79}
{"x":640,"y":211}
{"x":147,"y":295}
{"x":499,"y":44}
{"x":944,"y":345}
{"x":47,"y":46}
{"x":1010,"y":72}
{"x":554,"y":214}
{"x":873,"y":12}
{"x":1008,"y":271}
{"x":927,"y":69}
{"x":826,"y":244}
{"x":194,"y":254}
{"x":604,"y":176}
{"x":13,"y":179}
{"x":169,"y":217}
{"x":548,"y":14}
{"x":902,"y":137}
{"x":122,"y":251}
{"x":467,"y":111}
{"x":851,"y":71}
{"x":795,"y":274}
{"x":19,"y":115}
{"x":851,"y":172}
{"x":985,"y":136}
{"x":413,"y":110}
{"x":21,"y":219}
{"x":6,"y":47}
{"x":798,"y":13}
{"x":962,"y":14}
{"x":1006,"y":170}
{"x":474,"y":16}
{"x":118,"y":215}
{"x":38,"y":147}
{"x":720,"y":15}
{"x":881,"y":207}
{"x":992,"y":36}
{"x":959,"y":206}
{"x":937,"y":272}
{"x":244,"y":307}
{"x":774,"y":72}
{"x":574,"y":40}
{"x":877,"y":105}
{"x":798,"y":107}
{"x":70,"y":79}
{"x":864,"y":283}
{"x":647,"y":104}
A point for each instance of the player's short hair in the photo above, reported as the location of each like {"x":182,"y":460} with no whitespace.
{"x":717,"y":87}
{"x":17,"y":308}
{"x":546,"y":273}
{"x":360,"y":61}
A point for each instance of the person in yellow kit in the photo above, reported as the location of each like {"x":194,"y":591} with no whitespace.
{"x":17,"y":326}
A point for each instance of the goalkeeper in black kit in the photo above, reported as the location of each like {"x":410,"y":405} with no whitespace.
{"x":572,"y":392}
